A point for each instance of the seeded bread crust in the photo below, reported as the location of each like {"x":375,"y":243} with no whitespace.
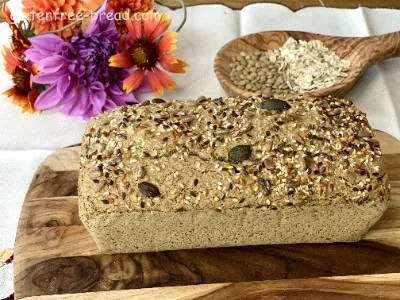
{"x":160,"y":176}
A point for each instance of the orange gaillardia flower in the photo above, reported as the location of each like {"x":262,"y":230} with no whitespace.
{"x":20,"y":32}
{"x":122,"y":8}
{"x":145,"y":50}
{"x":50,"y":15}
{"x":24,"y":91}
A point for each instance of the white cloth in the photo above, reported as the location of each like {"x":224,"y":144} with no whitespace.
{"x":208,"y":28}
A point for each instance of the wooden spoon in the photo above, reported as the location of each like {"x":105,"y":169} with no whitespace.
{"x":361,"y":52}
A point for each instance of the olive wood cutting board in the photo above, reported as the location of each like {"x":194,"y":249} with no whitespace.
{"x":54,"y":254}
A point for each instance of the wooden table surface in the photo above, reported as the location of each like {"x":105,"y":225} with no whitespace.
{"x":292,"y":4}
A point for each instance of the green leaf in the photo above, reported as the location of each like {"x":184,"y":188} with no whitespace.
{"x":40,"y":88}
{"x":26,"y":29}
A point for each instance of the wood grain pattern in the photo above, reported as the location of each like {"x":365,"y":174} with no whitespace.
{"x":292,"y":4}
{"x":369,"y":287}
{"x":54,"y":254}
{"x":361,"y":52}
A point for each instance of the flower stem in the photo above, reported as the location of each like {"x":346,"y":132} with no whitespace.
{"x":184,"y":15}
{"x":73,"y":23}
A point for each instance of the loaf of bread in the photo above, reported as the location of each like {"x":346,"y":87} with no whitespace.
{"x":230,"y":172}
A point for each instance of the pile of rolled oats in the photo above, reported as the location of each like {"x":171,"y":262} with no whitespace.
{"x":298,"y":66}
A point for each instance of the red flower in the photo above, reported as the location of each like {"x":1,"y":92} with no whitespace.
{"x":122,"y":7}
{"x":145,"y":50}
{"x":24,"y":91}
{"x":20,"y":33}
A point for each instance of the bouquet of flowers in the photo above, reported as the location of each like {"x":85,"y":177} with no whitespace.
{"x":88,"y":57}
